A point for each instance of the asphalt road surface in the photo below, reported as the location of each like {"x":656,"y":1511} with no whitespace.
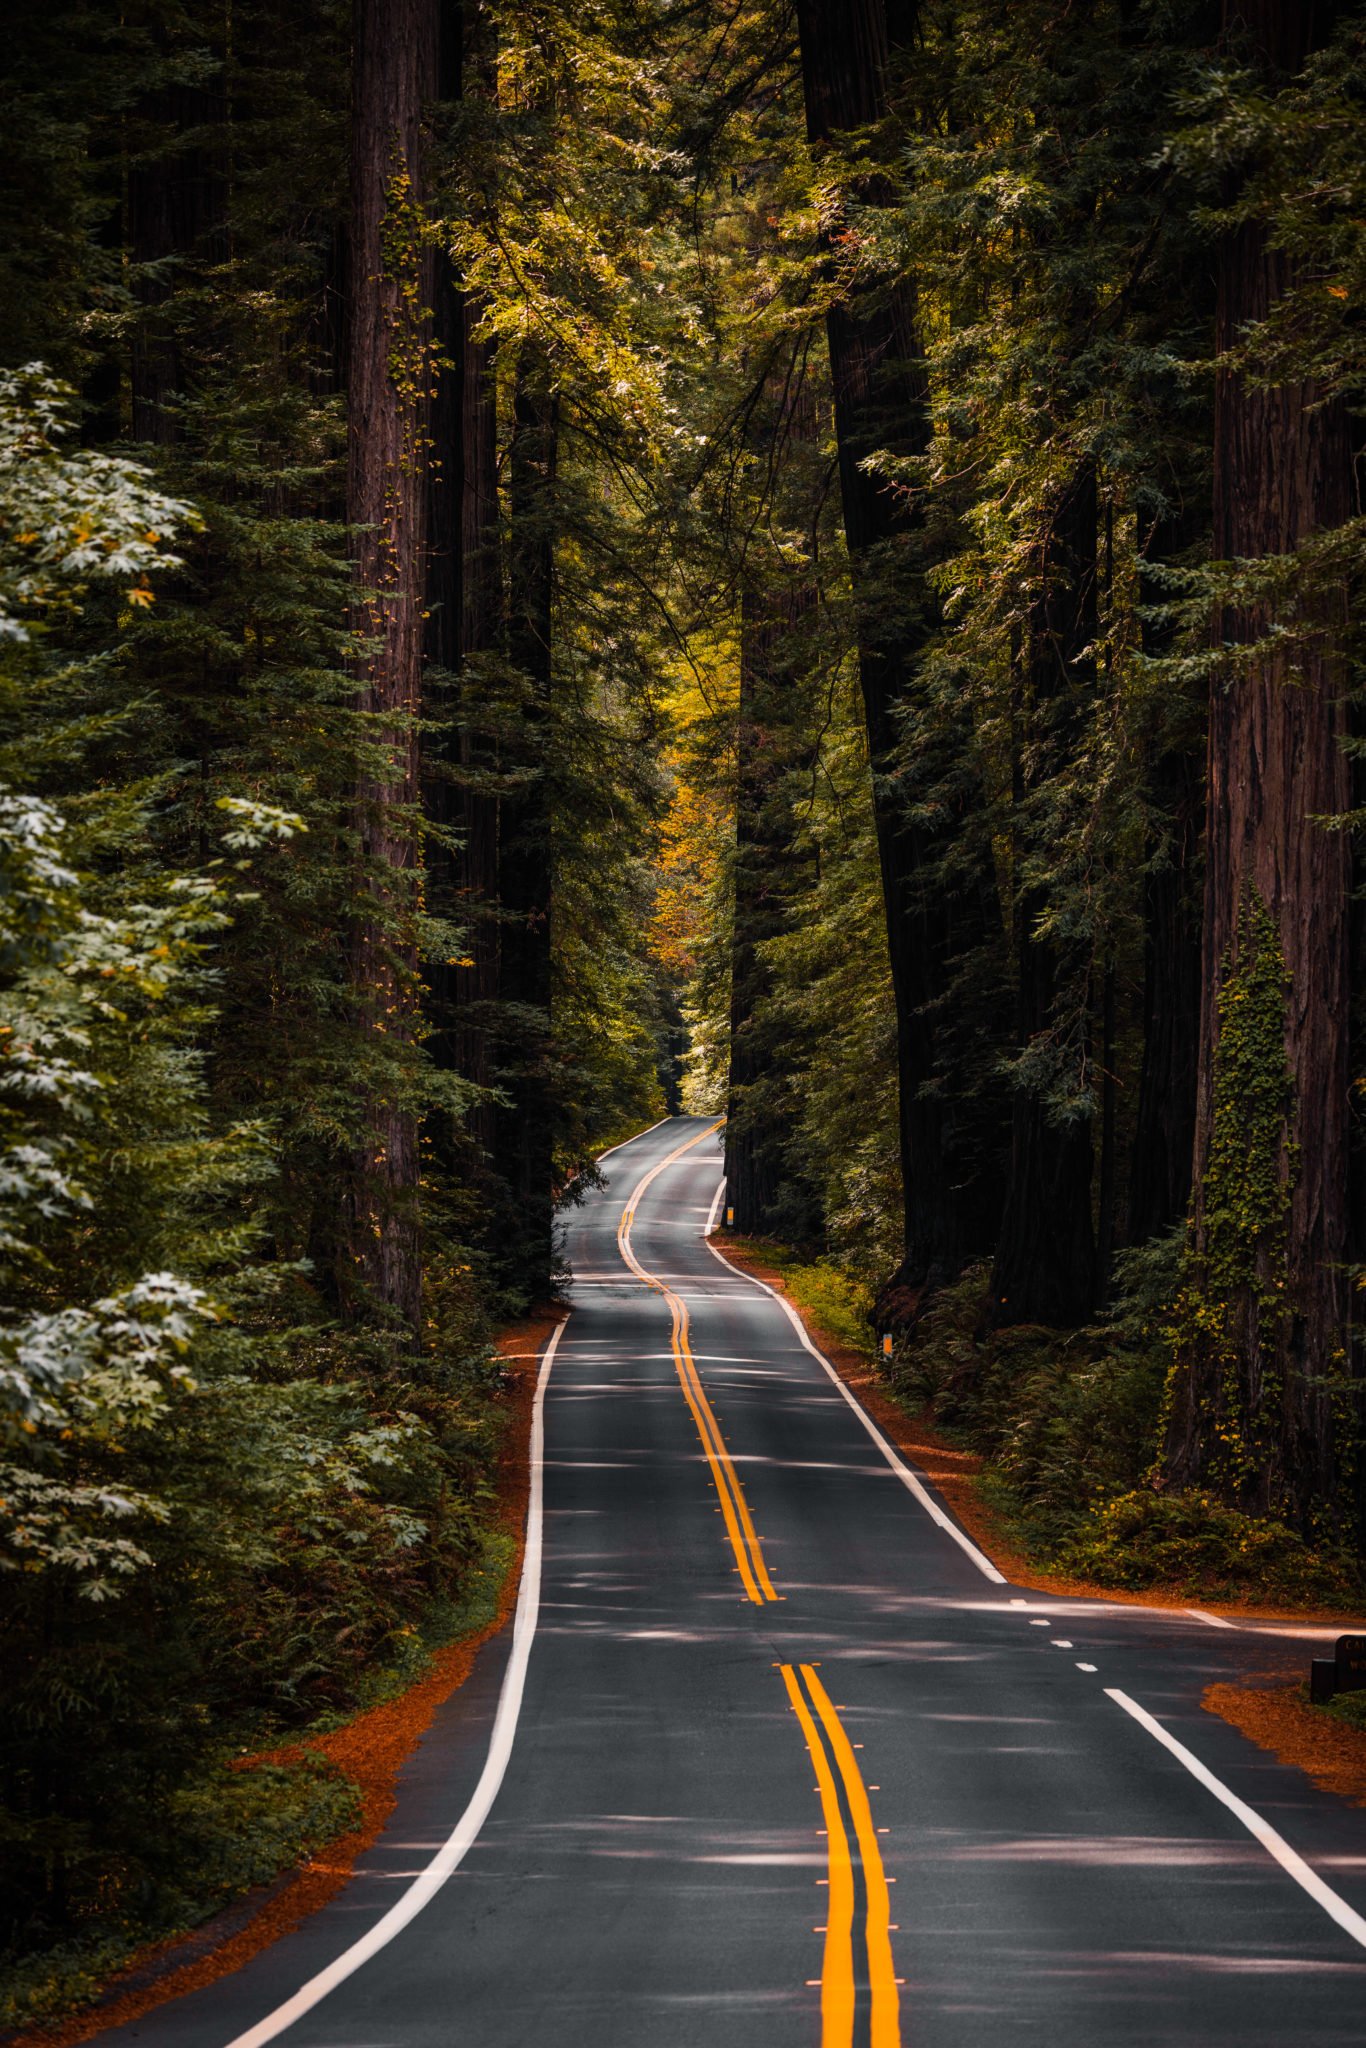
{"x":780,"y":1762}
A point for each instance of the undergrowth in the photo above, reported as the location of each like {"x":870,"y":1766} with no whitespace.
{"x":229,"y":1829}
{"x":837,"y":1300}
{"x":1346,"y":1706}
{"x":235,"y":1823}
{"x":1067,"y":1424}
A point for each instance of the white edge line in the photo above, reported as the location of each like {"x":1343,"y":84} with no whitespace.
{"x":632,"y":1139}
{"x":1293,"y":1864}
{"x":893,"y":1457}
{"x":1214,"y":1620}
{"x":454,"y":1849}
{"x":715,"y":1209}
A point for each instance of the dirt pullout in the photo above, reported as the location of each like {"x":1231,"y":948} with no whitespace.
{"x":1276,"y":1718}
{"x":954,"y":1474}
{"x":370,"y":1750}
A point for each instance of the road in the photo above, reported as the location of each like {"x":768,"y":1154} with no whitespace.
{"x":789,"y":1768}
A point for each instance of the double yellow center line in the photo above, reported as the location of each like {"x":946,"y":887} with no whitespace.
{"x":858,"y":1982}
{"x":740,"y":1529}
{"x":836,"y":1767}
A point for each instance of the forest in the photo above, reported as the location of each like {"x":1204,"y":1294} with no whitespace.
{"x":792,"y":559}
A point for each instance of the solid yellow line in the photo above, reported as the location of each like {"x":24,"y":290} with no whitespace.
{"x":718,"y":1473}
{"x":837,"y":1970}
{"x":735,"y":1512}
{"x":742,"y":1505}
{"x":886,"y":2032}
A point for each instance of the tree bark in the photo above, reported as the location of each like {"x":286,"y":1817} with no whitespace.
{"x":1275,"y":766}
{"x":881,"y":403}
{"x":481,"y":634}
{"x":388,"y":414}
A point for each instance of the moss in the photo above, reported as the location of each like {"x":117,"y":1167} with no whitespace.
{"x":1230,"y":1309}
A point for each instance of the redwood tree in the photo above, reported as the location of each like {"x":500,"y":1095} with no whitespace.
{"x":390,"y":356}
{"x":770,"y":741}
{"x":1264,"y":1311}
{"x":881,"y":403}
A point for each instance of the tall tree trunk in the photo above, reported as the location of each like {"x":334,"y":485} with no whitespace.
{"x":1045,"y":1266}
{"x":481,"y":634}
{"x":388,"y":413}
{"x":1252,"y":1412}
{"x":881,"y":403}
{"x":525,"y":1137}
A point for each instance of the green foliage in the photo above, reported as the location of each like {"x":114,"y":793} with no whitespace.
{"x":1233,"y":1297}
{"x":217,"y":1512}
{"x":70,"y":516}
{"x":833,"y":1298}
{"x":1066,"y":1421}
{"x":226,"y":1829}
{"x":1194,"y":1543}
{"x":1345,"y":1706}
{"x":231,"y":1498}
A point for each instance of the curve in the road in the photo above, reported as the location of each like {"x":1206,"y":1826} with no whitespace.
{"x":744,"y":1541}
{"x":704,"y":1786}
